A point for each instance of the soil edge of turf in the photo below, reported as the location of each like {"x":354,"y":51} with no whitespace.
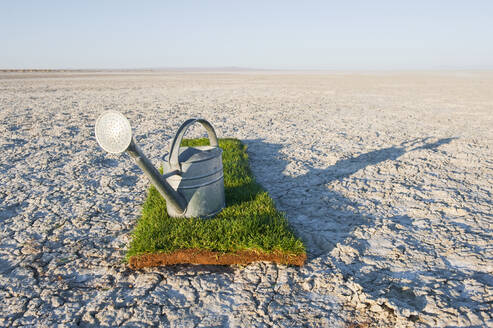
{"x":200,"y":256}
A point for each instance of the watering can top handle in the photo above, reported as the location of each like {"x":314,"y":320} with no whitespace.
{"x":175,"y":145}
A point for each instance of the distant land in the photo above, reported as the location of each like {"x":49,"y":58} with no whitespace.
{"x":158,"y":69}
{"x":232,"y":69}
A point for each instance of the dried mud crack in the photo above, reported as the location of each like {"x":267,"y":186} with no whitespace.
{"x":387,"y":179}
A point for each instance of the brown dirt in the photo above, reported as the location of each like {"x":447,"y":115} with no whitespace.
{"x":199,"y":256}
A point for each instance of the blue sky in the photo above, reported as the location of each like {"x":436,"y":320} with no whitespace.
{"x":334,"y":35}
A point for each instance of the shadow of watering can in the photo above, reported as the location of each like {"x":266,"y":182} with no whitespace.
{"x":192,"y":183}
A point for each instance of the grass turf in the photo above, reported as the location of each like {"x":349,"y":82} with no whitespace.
{"x":249,"y":222}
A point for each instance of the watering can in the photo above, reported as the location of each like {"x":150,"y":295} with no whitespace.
{"x":192,"y":183}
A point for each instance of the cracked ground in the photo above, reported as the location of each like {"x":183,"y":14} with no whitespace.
{"x":387,"y":178}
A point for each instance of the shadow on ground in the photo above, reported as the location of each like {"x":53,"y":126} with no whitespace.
{"x":325,"y":219}
{"x":321,"y":216}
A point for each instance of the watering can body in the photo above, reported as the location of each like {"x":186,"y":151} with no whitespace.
{"x":192,"y":184}
{"x":196,"y":173}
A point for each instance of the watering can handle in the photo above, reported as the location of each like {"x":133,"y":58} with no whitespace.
{"x":175,"y":145}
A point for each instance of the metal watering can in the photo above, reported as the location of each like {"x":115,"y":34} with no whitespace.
{"x":192,"y":183}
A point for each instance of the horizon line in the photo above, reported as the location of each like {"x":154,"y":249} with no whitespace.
{"x":236,"y":68}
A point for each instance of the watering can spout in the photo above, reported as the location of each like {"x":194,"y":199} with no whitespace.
{"x":171,"y":196}
{"x":114,"y":134}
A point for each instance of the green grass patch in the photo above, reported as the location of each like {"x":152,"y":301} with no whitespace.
{"x":250,"y":220}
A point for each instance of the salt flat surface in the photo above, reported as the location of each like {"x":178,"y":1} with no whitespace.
{"x":388,"y":178}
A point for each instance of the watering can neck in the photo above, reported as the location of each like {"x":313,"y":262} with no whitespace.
{"x":188,"y":155}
